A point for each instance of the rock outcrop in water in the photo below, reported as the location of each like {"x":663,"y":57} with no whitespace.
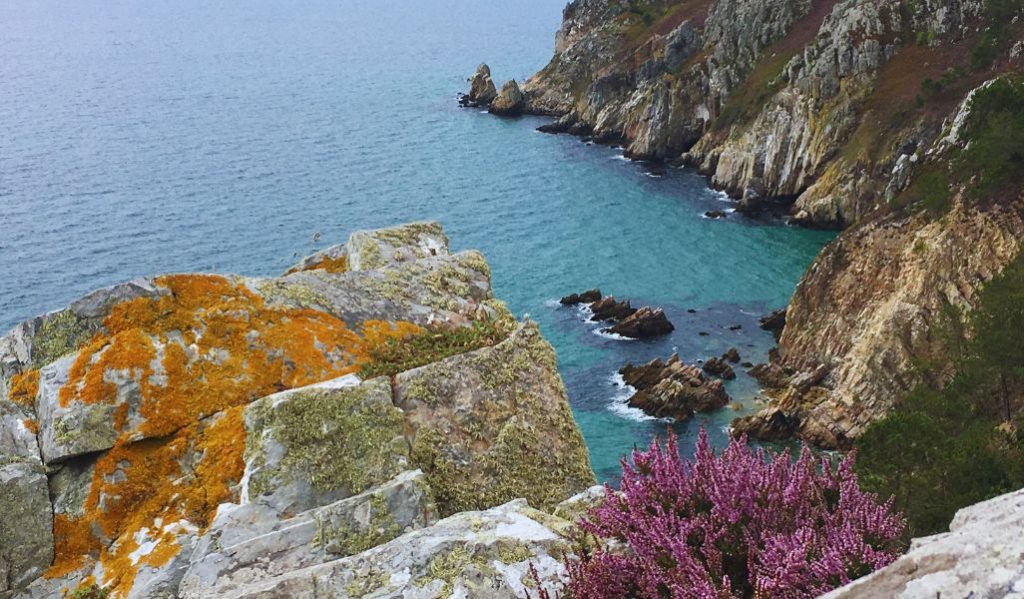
{"x":645,"y":323}
{"x":509,"y":101}
{"x":223,"y":436}
{"x":481,"y":88}
{"x":672,"y":389}
{"x":849,"y":115}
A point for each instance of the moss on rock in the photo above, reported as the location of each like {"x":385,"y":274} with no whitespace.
{"x":333,"y":441}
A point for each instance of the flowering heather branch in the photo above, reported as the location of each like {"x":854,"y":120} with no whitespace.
{"x":745,"y":523}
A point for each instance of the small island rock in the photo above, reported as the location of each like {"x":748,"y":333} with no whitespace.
{"x":673,"y":389}
{"x":481,"y":88}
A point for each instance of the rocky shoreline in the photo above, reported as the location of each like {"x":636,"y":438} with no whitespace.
{"x":840,"y":114}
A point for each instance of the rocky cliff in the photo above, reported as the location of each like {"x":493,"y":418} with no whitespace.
{"x":855,"y":115}
{"x":372,"y":423}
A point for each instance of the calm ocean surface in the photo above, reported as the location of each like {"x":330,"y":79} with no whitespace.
{"x":146,"y":137}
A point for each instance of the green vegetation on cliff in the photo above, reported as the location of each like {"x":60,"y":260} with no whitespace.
{"x":947,"y":447}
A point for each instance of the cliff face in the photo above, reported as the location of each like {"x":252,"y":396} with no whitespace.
{"x":206,"y":436}
{"x":841,"y":113}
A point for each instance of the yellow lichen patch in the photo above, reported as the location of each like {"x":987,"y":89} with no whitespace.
{"x":73,"y":544}
{"x":328,"y":264}
{"x":209,"y":347}
{"x":221,"y":346}
{"x":142,"y":490}
{"x":24,"y":388}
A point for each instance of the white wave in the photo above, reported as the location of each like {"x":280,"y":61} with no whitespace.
{"x":620,"y":157}
{"x":552,"y":303}
{"x":721,"y":196}
{"x":619,"y":407}
{"x":653,"y":175}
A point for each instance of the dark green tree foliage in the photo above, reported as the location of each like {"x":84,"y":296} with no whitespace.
{"x":995,"y":39}
{"x":995,"y":154}
{"x":943,"y":449}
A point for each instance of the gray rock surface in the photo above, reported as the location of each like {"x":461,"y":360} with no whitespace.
{"x":471,"y":554}
{"x":982,"y":555}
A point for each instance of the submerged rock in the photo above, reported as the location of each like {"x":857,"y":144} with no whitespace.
{"x":200,"y":435}
{"x":720,"y":368}
{"x":644,"y":323}
{"x":673,"y":389}
{"x":510,"y":101}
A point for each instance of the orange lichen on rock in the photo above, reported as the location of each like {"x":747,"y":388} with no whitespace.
{"x":145,"y":491}
{"x":207,"y":348}
{"x":24,"y":388}
{"x":221,"y":346}
{"x":73,"y":544}
{"x":31,"y":425}
{"x":328,"y":264}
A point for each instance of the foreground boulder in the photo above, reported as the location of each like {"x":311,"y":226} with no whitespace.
{"x":645,"y":323}
{"x":510,"y":102}
{"x":195,"y":435}
{"x":982,"y":555}
{"x":673,"y":389}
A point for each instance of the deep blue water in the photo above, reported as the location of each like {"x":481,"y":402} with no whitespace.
{"x":146,"y":137}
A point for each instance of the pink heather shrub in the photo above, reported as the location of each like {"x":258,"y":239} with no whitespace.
{"x":742,"y":524}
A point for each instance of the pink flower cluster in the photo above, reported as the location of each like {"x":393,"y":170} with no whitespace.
{"x":745,"y":523}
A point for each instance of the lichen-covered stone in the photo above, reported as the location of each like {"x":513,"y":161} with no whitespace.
{"x":26,"y":524}
{"x":209,"y":422}
{"x":238,"y":549}
{"x":373,"y":250}
{"x":315,"y":445}
{"x":442,"y":289}
{"x":75,"y":429}
{"x":493,"y":425}
{"x":473,"y":554}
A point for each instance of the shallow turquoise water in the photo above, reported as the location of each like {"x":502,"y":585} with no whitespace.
{"x":139,"y":138}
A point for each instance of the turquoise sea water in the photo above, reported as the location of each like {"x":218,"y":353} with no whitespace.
{"x":139,"y":138}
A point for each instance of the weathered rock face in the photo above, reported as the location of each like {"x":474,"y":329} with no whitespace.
{"x":979,"y":557}
{"x":850,"y":346}
{"x":673,"y":389}
{"x":510,"y":101}
{"x":196,"y":435}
